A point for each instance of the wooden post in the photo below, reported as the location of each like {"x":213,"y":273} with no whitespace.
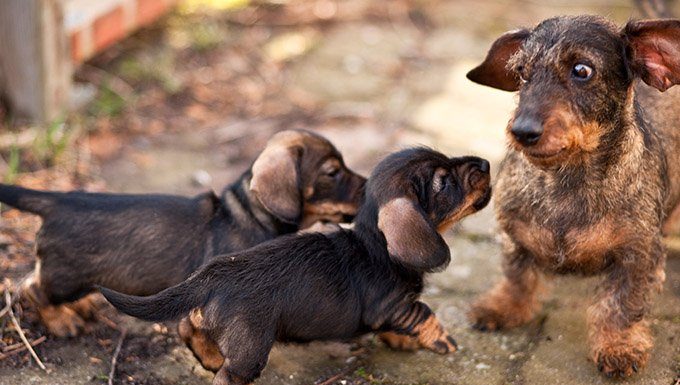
{"x":35,"y":62}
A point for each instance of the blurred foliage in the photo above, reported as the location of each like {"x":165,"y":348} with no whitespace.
{"x":51,"y":143}
{"x":13,"y":165}
{"x":290,"y":45}
{"x":205,"y":36}
{"x":154,"y":67}
{"x":194,"y":5}
{"x":107,"y":103}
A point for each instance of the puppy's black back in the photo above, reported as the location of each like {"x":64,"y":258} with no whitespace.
{"x":121,"y":236}
{"x":279,"y":282}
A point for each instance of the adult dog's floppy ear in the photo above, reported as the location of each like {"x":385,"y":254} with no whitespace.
{"x":275,"y":181}
{"x":493,"y":72}
{"x":412,"y":239}
{"x":654,"y":50}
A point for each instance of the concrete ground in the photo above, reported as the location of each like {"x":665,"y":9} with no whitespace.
{"x":351,"y":71}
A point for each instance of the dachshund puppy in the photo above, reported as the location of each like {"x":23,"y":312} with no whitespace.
{"x":316,"y":286}
{"x":141,"y":244}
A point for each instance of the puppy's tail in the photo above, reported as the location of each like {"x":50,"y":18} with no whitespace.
{"x":171,"y":303}
{"x":657,"y":9}
{"x":33,"y":201}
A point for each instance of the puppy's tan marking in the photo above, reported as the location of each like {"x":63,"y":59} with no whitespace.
{"x":400,"y":341}
{"x":466,"y":208}
{"x":326,"y":211}
{"x":61,"y":321}
{"x":203,"y":347}
{"x":432,"y":335}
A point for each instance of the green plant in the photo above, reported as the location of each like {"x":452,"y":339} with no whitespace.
{"x":107,"y":103}
{"x":13,"y":165}
{"x":205,"y":36}
{"x":51,"y":142}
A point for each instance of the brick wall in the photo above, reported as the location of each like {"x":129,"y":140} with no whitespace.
{"x":93,"y":25}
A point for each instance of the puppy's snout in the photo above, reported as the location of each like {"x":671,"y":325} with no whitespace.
{"x":479,"y":177}
{"x":484,"y":166}
{"x":526,"y":130}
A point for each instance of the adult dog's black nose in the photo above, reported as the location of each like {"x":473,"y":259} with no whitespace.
{"x":527,"y":131}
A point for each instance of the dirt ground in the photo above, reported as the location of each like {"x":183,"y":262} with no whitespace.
{"x":187,"y":104}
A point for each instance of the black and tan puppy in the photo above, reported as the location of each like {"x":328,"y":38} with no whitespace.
{"x":340,"y":284}
{"x":141,"y":244}
{"x":592,"y":179}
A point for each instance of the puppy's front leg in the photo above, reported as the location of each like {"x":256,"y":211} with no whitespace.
{"x":619,"y":335}
{"x":514,"y":300}
{"x":415,"y":325}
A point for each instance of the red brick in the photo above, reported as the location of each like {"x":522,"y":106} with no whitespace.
{"x":76,"y":47}
{"x":149,"y":10}
{"x":108,"y":29}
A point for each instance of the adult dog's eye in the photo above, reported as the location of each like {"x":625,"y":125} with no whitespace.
{"x":333,"y":172}
{"x":582,"y":72}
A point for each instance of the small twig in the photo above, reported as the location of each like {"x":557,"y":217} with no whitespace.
{"x":19,"y":347}
{"x":332,"y":379}
{"x":106,"y":320}
{"x":8,"y":303}
{"x":114,"y":360}
{"x":17,"y":326}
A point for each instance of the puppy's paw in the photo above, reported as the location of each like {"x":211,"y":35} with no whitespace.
{"x":445,"y":344}
{"x":399,"y":341}
{"x":61,"y":321}
{"x":622,"y":353}
{"x":433,"y":336}
{"x":86,"y":307}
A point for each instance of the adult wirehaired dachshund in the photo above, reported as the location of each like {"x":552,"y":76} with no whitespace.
{"x":592,"y":179}
{"x":335,"y":285}
{"x":141,"y":244}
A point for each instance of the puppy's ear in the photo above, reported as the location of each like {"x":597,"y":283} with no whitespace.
{"x":493,"y":71}
{"x":412,"y":240}
{"x":275,"y":182}
{"x":654,"y":50}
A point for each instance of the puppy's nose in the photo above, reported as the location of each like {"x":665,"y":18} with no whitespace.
{"x":526,"y":130}
{"x":484,"y":166}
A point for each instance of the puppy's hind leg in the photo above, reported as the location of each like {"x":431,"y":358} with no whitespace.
{"x":199,"y":342}
{"x":245,"y":346}
{"x":60,"y":320}
{"x":48,"y":294}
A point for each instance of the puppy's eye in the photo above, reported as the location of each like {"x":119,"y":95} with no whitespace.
{"x":440,"y":183}
{"x":522,"y":74}
{"x":582,"y":72}
{"x":332,"y":173}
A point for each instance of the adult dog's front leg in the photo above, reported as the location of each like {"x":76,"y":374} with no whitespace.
{"x":514,"y":300}
{"x":619,"y":335}
{"x":415,"y":325}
